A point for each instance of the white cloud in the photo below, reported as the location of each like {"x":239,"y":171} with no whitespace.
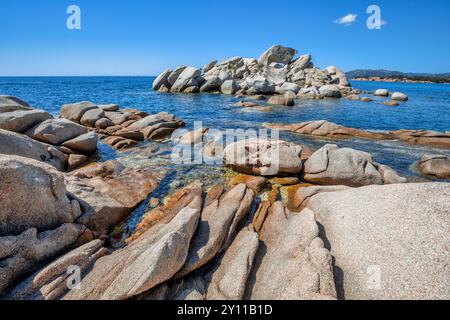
{"x":347,"y":20}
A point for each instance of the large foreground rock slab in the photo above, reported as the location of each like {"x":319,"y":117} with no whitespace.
{"x":229,"y":280}
{"x":22,"y":254}
{"x":147,"y":262}
{"x":217,"y":226}
{"x":51,"y":282}
{"x":292,"y":263}
{"x":32,"y":195}
{"x":389,"y":242}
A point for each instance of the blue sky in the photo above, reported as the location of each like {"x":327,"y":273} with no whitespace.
{"x":143,"y":37}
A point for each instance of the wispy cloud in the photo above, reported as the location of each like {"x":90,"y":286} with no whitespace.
{"x":347,"y":20}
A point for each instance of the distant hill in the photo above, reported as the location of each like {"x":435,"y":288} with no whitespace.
{"x":398,"y":76}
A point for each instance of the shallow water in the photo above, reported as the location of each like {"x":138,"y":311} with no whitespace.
{"x":428,"y":108}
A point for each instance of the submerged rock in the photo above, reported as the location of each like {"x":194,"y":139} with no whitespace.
{"x":188,"y":197}
{"x":391,"y":103}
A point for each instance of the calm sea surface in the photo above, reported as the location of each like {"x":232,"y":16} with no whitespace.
{"x":428,"y":108}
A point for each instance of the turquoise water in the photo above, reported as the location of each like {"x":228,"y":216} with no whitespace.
{"x":428,"y":108}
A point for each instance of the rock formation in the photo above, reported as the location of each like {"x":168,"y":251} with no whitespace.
{"x":292,"y":262}
{"x":122,"y":129}
{"x":435,"y":165}
{"x":389,"y":242}
{"x":275,"y":72}
{"x":332,"y":165}
{"x":112,"y":190}
{"x":39,"y":219}
{"x":323,"y":128}
{"x":61,"y":141}
{"x":264,"y":157}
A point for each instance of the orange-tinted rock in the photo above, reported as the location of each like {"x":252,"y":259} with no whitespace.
{"x":187,"y":197}
{"x":253,"y":182}
{"x":112,"y":191}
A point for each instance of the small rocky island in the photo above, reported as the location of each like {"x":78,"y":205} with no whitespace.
{"x":277,"y":76}
{"x":275,"y":73}
{"x":318,"y":227}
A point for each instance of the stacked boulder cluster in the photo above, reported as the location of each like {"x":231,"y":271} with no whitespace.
{"x":36,"y":134}
{"x":284,"y":223}
{"x":122,"y":129}
{"x":276,"y":73}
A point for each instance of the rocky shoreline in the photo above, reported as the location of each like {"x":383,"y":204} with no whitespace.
{"x":315,"y":227}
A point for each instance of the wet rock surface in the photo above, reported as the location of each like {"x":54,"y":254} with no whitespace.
{"x":323,"y":128}
{"x":112,"y":191}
